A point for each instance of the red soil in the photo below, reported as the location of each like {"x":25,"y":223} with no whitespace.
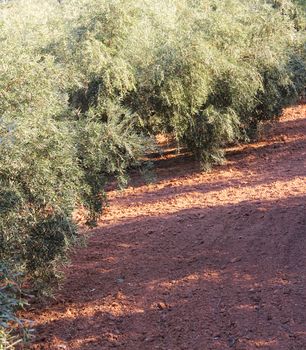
{"x":195,"y":261}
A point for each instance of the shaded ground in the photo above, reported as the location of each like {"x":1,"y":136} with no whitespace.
{"x":195,"y":261}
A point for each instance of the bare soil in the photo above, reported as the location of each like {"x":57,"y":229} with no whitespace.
{"x":194,"y":261}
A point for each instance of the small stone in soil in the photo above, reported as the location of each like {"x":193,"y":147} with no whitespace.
{"x":231,"y":341}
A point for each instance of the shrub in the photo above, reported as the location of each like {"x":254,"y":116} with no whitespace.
{"x":208,"y":72}
{"x":218,"y":58}
{"x":13,"y":330}
{"x":106,"y":149}
{"x":39,"y":178}
{"x":54,"y":154}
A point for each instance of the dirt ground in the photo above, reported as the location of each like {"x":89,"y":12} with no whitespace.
{"x":194,"y":261}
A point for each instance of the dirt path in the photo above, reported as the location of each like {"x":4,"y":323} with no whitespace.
{"x":195,"y":261}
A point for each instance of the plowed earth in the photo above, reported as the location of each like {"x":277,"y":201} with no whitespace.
{"x":194,"y":261}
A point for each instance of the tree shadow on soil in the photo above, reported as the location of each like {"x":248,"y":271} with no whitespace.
{"x":226,"y":277}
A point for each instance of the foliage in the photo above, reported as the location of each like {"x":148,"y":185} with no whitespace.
{"x":106,"y":149}
{"x":54,"y":156}
{"x":39,"y":179}
{"x":212,"y":62}
{"x":12,"y":329}
{"x":208,"y":72}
